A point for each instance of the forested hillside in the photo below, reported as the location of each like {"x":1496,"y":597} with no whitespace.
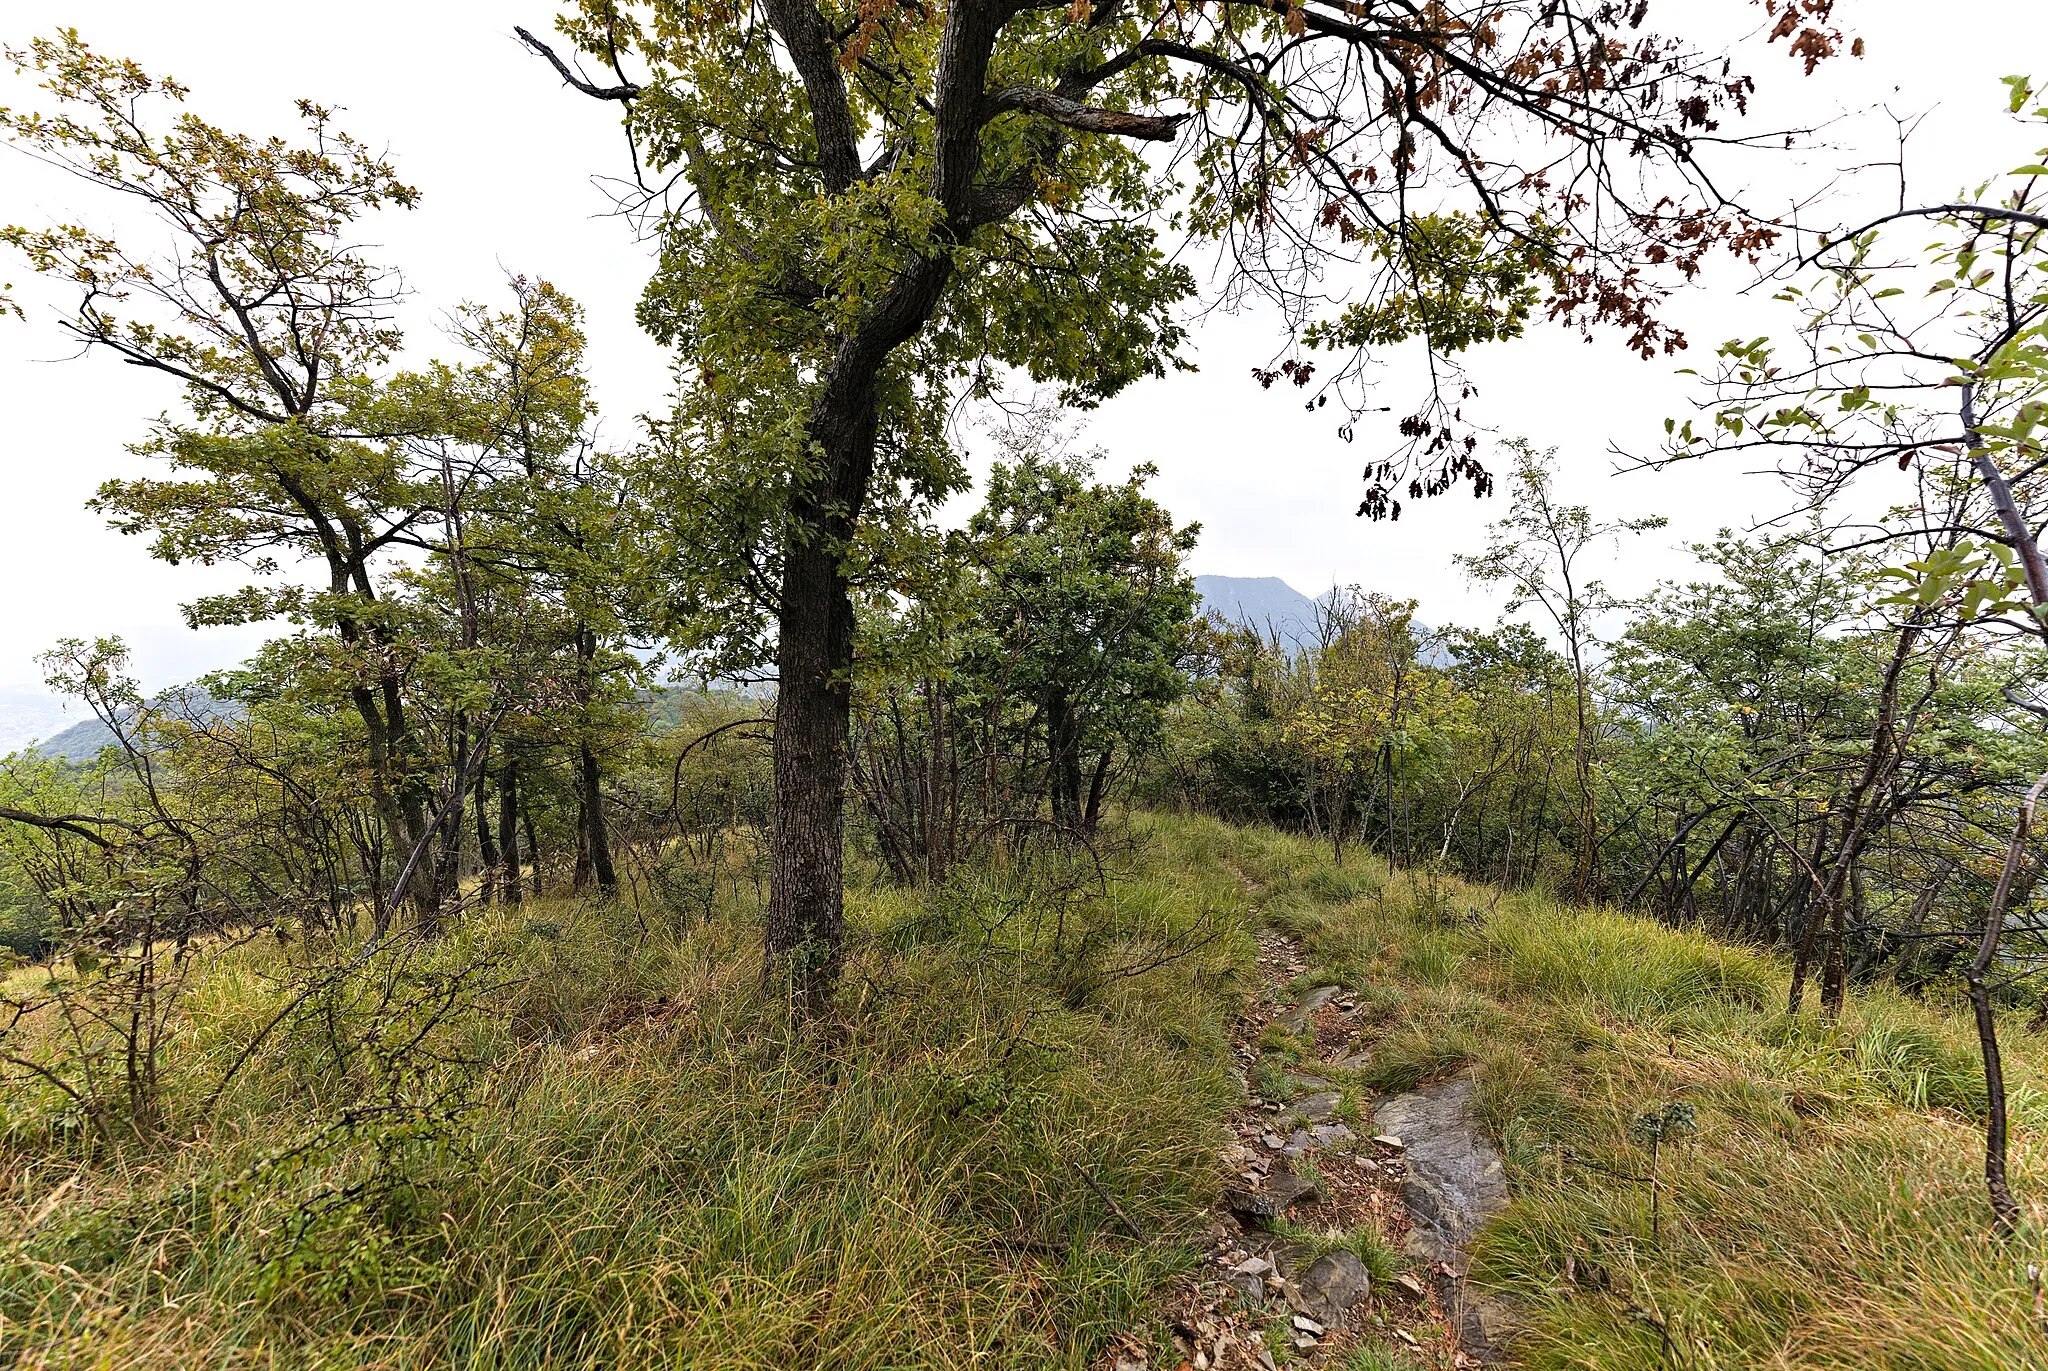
{"x":775,"y":883}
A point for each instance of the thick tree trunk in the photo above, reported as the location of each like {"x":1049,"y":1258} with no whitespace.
{"x":806,"y":925}
{"x":814,"y":620}
{"x":814,"y":650}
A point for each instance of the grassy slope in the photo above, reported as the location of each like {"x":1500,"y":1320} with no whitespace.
{"x":1829,"y":1214}
{"x":645,"y":1168}
{"x":651,"y":1173}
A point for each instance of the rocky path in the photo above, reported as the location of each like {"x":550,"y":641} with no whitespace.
{"x":1312,"y":1184}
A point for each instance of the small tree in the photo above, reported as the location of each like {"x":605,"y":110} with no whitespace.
{"x":1084,"y":617}
{"x":275,"y":326}
{"x":1538,"y":553}
{"x":1932,"y":358}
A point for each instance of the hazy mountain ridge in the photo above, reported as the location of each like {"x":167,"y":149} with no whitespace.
{"x":29,"y":713}
{"x":83,"y":739}
{"x":1280,"y":613}
{"x":1265,"y":604}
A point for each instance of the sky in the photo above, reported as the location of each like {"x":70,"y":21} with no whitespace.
{"x":508,"y":163}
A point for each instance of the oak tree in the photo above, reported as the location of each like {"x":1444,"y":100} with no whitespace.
{"x":865,"y":210}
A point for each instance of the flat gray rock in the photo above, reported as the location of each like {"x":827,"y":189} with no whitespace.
{"x":1251,"y":1289}
{"x":1332,"y":1284}
{"x":1455,"y":1178}
{"x":1252,"y":1207}
{"x":1305,"y":1083}
{"x":1306,"y":1140}
{"x":1258,"y":1208}
{"x":1485,"y":1323}
{"x":1316,"y":1108}
{"x":1455,"y":1183}
{"x":1284,"y":1187}
{"x":1296,"y":1019}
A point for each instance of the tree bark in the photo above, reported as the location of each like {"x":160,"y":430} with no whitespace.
{"x":597,"y":839}
{"x":486,"y":850}
{"x":806,"y":922}
{"x":814,"y":648}
{"x":508,"y":831}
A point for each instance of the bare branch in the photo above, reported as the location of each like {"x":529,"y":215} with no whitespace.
{"x":626,"y":90}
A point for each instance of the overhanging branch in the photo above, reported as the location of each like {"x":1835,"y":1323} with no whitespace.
{"x":626,"y":90}
{"x":1158,"y":128}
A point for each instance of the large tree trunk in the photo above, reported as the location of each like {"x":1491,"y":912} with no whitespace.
{"x":814,"y":630}
{"x":814,"y":700}
{"x":814,"y":649}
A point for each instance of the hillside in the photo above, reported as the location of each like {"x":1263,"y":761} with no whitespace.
{"x":1007,"y":1146}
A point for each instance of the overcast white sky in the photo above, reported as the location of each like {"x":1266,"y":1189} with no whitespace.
{"x":505,"y":160}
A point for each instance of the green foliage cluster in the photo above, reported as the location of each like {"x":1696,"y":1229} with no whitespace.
{"x":1713,"y":735}
{"x":1012,"y":701}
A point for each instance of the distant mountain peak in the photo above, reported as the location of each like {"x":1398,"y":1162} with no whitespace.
{"x":1265,"y":604}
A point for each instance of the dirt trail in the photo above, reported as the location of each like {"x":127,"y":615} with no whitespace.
{"x":1305,"y":1172}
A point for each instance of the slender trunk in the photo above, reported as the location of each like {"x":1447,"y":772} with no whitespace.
{"x":579,"y":874}
{"x":1858,"y":824}
{"x":596,"y":838}
{"x":1834,"y":974}
{"x":532,"y":843}
{"x":594,"y":849}
{"x":2004,"y":1209}
{"x":1063,"y":742}
{"x":444,"y":868}
{"x":486,"y":850}
{"x":508,"y":831}
{"x":1098,"y":785}
{"x":425,"y":891}
{"x":1812,"y":917}
{"x":1582,"y":859}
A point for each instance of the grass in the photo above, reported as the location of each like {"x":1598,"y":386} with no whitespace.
{"x":618,"y":1153}
{"x":623,"y":1156}
{"x":1379,"y":1359}
{"x":1830,"y":1213}
{"x":1381,"y":1260}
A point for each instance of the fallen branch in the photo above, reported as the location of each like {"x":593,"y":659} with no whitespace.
{"x":1114,"y":1208}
